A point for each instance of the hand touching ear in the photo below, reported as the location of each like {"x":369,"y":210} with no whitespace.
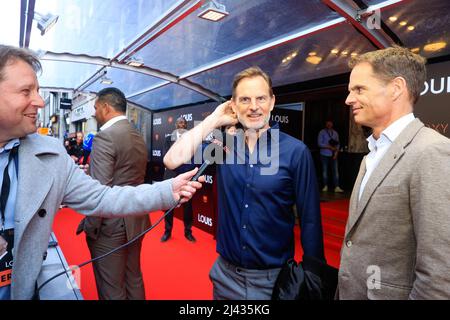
{"x":225,"y":114}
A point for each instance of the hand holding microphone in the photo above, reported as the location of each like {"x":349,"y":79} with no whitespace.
{"x":186,"y":184}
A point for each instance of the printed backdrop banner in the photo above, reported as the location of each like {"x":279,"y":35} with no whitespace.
{"x":433,"y":107}
{"x":203,"y":204}
{"x":290,"y":118}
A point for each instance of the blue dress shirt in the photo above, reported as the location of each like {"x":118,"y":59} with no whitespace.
{"x":255,"y":216}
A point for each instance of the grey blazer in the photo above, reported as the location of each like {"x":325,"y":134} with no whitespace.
{"x":397,"y":238}
{"x":48,"y":177}
{"x":118,"y":158}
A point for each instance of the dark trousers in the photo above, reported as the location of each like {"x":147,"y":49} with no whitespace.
{"x":118,"y":276}
{"x":187,"y":218}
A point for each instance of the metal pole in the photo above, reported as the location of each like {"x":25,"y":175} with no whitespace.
{"x":62,"y":125}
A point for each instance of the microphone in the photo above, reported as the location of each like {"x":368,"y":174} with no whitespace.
{"x":200,"y":170}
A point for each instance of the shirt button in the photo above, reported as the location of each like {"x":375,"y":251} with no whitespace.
{"x":251,"y":166}
{"x":244,"y":226}
{"x":244,"y":247}
{"x":349,"y":244}
{"x":248,"y":185}
{"x":246,"y":205}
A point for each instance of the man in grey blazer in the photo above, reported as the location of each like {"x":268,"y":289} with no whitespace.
{"x":397,"y":238}
{"x":48,"y":177}
{"x":118,"y":158}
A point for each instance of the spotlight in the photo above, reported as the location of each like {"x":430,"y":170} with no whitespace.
{"x":135,"y":62}
{"x":44,"y":23}
{"x":436,"y":46}
{"x":106,"y":80}
{"x":335,"y":51}
{"x":314,"y":59}
{"x":213,"y":11}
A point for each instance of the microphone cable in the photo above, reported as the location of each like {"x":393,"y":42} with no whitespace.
{"x":194,"y":178}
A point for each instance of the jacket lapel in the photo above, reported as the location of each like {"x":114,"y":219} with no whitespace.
{"x":355,"y":194}
{"x":389,"y":160}
{"x":35,"y":181}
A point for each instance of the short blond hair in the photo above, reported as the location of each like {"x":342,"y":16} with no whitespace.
{"x":251,"y":73}
{"x":394,"y":62}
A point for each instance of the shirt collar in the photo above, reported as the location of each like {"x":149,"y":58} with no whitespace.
{"x":112,"y":121}
{"x":392,"y":131}
{"x":11,"y":144}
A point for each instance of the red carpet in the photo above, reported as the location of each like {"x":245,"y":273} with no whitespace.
{"x":334,"y":219}
{"x":178,"y":269}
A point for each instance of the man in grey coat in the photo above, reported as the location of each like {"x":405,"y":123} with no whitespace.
{"x":37,"y":176}
{"x":397,"y":238}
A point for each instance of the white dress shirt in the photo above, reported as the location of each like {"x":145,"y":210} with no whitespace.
{"x":378,"y":148}
{"x":112,"y":121}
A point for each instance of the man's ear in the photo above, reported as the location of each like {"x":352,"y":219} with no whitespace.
{"x":272,"y":103}
{"x":398,"y":87}
{"x":108,"y":108}
{"x":233,"y":104}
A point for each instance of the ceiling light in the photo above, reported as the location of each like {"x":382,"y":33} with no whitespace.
{"x":354,"y":54}
{"x":403,"y":23}
{"x":393,"y":18}
{"x":135,"y":62}
{"x":411,"y":28}
{"x":344,"y":53}
{"x":44,"y":23}
{"x":335,"y":51}
{"x":314,"y":59}
{"x":415,"y":50}
{"x":436,"y":46}
{"x":213,"y":11}
{"x":106,"y":80}
{"x":294,"y":54}
{"x":312,"y":53}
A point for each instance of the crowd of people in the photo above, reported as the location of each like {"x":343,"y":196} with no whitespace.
{"x":398,"y":219}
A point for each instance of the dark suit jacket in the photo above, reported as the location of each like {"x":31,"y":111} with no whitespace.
{"x":118,"y":158}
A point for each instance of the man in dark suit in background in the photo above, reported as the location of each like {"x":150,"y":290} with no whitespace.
{"x":118,"y":158}
{"x":181,"y":126}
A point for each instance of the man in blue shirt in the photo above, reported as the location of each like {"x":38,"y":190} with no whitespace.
{"x":264,"y":174}
{"x":328,"y":141}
